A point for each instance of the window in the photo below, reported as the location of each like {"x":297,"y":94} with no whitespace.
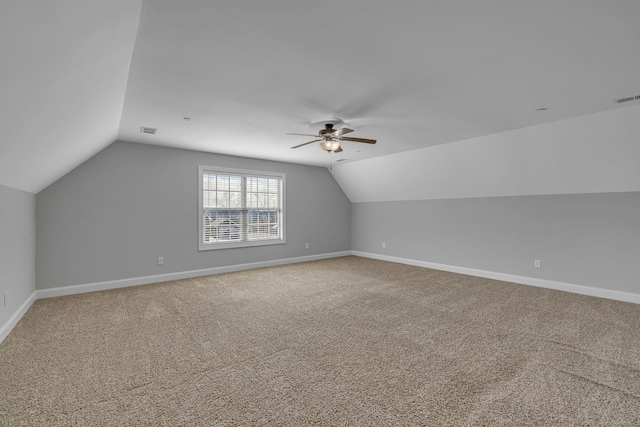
{"x":239,"y":208}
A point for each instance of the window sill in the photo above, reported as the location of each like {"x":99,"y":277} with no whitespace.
{"x":217,"y":246}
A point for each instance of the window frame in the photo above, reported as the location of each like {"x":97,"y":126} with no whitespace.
{"x":202,"y":170}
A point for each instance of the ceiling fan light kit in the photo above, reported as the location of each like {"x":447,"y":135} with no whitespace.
{"x":330,"y":145}
{"x":330,"y":138}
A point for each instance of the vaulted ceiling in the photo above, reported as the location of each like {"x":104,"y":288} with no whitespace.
{"x":79,"y":74}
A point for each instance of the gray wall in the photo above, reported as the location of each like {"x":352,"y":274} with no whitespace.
{"x":585,"y":239}
{"x":17,"y":249}
{"x":112,"y":216}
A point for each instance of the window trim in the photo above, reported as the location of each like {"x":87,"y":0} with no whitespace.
{"x":202,"y":246}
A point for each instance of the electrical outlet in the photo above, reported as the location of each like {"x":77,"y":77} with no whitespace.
{"x":160,"y":260}
{"x":536,"y":263}
{"x":384,"y":245}
{"x":306,"y":245}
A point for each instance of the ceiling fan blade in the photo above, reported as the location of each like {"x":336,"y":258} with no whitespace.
{"x":315,"y":140}
{"x":366,"y":141}
{"x":340,"y":132}
{"x":338,"y":150}
{"x":302,"y":134}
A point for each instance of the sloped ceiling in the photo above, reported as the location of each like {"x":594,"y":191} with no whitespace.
{"x":63,"y":78}
{"x":595,"y":153}
{"x":411,"y":74}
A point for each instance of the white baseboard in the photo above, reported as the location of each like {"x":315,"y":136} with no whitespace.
{"x":113,"y":284}
{"x":122,"y":283}
{"x":13,"y":320}
{"x":531,"y":281}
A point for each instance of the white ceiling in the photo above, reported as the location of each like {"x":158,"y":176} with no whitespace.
{"x":594,"y":153}
{"x":62,"y":84}
{"x":411,"y":74}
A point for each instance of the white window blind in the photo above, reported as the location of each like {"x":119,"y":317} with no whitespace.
{"x":240,"y":208}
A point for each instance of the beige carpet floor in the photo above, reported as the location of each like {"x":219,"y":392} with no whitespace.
{"x":346,"y":341}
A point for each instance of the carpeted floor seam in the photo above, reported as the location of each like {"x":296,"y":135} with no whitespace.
{"x":598,"y":383}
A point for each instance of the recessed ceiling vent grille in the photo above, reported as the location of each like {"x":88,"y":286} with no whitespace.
{"x":150,"y":131}
{"x":627,"y":99}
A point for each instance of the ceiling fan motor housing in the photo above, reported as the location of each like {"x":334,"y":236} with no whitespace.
{"x":328,"y":128}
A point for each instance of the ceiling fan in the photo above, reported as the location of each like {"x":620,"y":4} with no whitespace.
{"x":330,"y":138}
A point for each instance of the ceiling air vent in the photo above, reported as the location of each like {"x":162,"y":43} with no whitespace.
{"x":150,"y":131}
{"x":626,"y":99}
{"x":341,"y":160}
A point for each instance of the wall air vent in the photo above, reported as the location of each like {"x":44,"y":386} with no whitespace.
{"x":626,"y":99}
{"x":150,"y":131}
